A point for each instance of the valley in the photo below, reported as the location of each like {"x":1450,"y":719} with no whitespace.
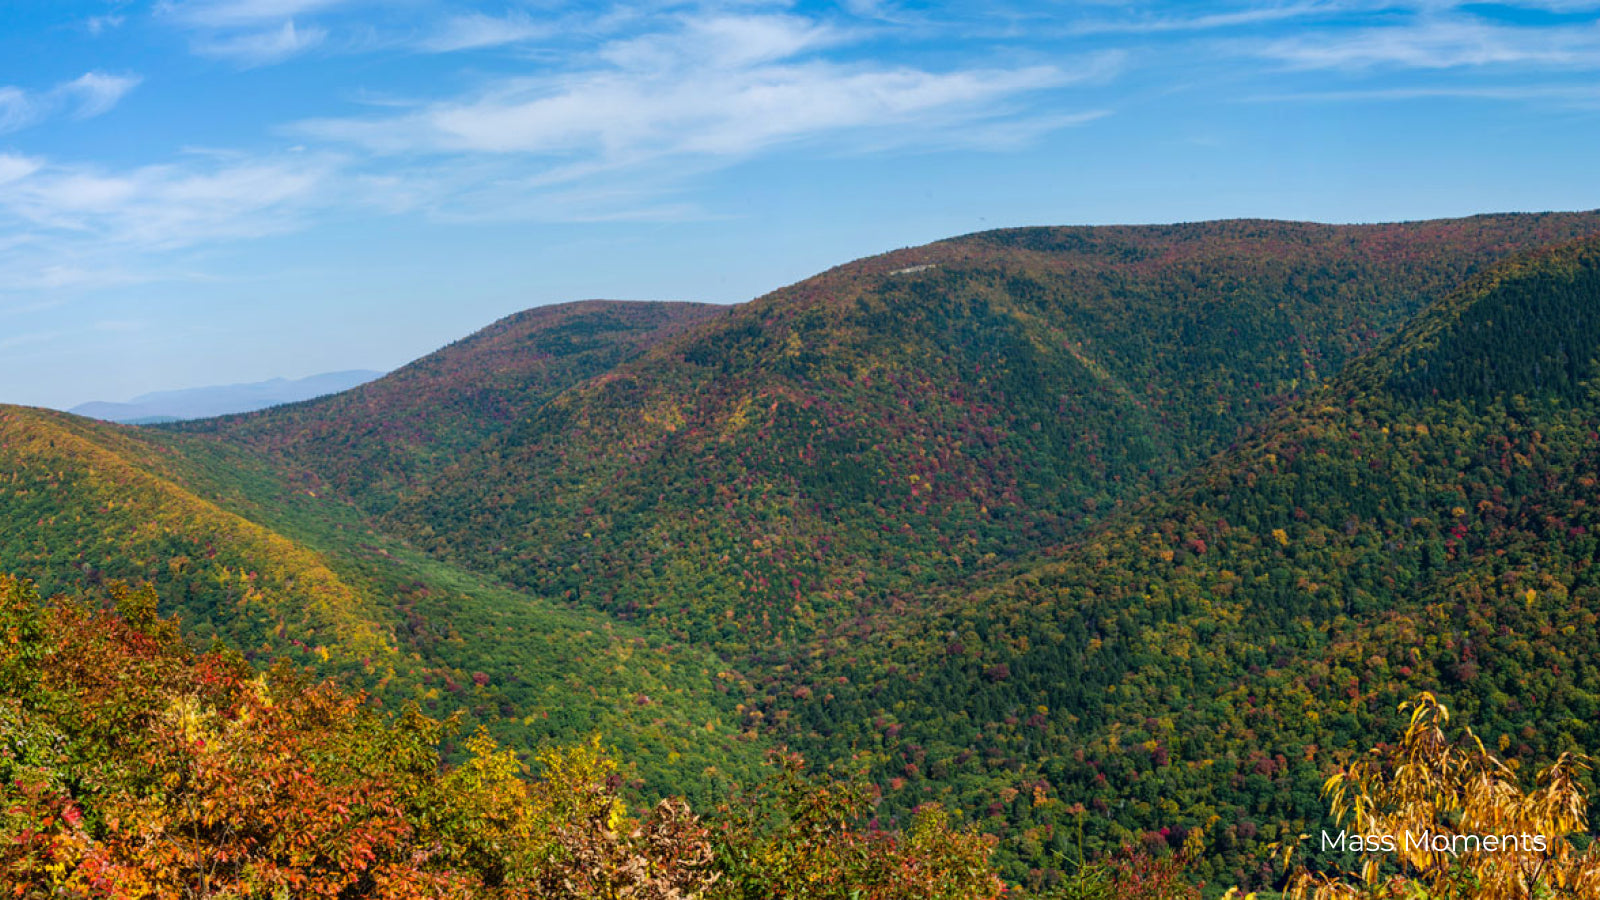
{"x":1097,"y":536}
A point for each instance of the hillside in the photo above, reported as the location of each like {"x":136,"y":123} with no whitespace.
{"x":1426,"y":521}
{"x":276,"y":572}
{"x":78,"y":511}
{"x":373,"y":443}
{"x":131,"y":766}
{"x":909,"y":420}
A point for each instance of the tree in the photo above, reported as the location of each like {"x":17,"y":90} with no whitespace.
{"x":1459,"y":820}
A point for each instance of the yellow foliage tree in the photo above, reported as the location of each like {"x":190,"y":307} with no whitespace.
{"x":1459,"y":823}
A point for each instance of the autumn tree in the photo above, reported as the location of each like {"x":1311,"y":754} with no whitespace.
{"x":1462,"y":824}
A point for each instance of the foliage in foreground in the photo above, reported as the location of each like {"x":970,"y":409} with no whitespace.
{"x":1132,"y":874}
{"x":133,"y":768}
{"x":1430,"y":792}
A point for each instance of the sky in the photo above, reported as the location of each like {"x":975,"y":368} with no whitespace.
{"x":199,"y":192}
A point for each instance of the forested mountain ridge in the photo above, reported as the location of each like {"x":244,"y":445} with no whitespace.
{"x":909,"y":419}
{"x":378,"y":440}
{"x":818,"y":518}
{"x":78,"y":508}
{"x":1426,"y":521}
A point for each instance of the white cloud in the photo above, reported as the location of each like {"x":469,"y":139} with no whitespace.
{"x":98,"y":25}
{"x":250,"y":32}
{"x":1559,"y":6}
{"x":612,"y":130}
{"x":76,"y":229}
{"x":86,"y":96}
{"x":16,"y":110}
{"x":1233,"y":19}
{"x":97,"y":92}
{"x":62,"y":276}
{"x":1441,"y":43}
{"x":721,"y":42}
{"x":243,"y":13}
{"x":259,"y":48}
{"x":14,"y":341}
{"x":119,"y":326}
{"x":1579,"y":96}
{"x":718,"y":86}
{"x":476,"y":31}
{"x":15,"y":168}
{"x":162,"y":207}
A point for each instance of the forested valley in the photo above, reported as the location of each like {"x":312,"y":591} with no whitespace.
{"x":1061,"y":562}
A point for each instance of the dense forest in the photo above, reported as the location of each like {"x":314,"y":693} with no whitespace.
{"x":907,"y":421}
{"x":1109,"y":543}
{"x":1199,"y":661}
{"x":133,"y":767}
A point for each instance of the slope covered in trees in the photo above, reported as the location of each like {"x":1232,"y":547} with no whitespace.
{"x":131,"y":767}
{"x":75,"y":507}
{"x":377,"y":440}
{"x":908,"y":420}
{"x":276,"y":572}
{"x":1426,"y":521}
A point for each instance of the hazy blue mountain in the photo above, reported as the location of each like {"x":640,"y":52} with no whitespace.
{"x":220,"y":400}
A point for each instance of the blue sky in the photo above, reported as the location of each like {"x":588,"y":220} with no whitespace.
{"x":210,"y":191}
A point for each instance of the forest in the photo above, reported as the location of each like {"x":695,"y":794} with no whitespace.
{"x":1048,"y":561}
{"x":135,"y":767}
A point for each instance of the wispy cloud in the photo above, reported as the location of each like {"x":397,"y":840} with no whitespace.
{"x":74,"y":229}
{"x":17,"y":111}
{"x":86,"y":96}
{"x":263,"y":47}
{"x":94,"y":93}
{"x":161,"y":207}
{"x":250,"y":32}
{"x":1156,"y":24}
{"x":1565,"y":95}
{"x":608,"y":131}
{"x":1440,"y":42}
{"x":628,"y":110}
{"x":98,"y":25}
{"x":722,"y":86}
{"x":58,"y":277}
{"x":12,"y":342}
{"x":1557,"y":6}
{"x":476,"y":31}
{"x":16,"y":168}
{"x":119,"y":326}
{"x":243,"y":13}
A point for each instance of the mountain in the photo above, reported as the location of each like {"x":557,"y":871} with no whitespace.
{"x":1131,"y":532}
{"x":241,"y":549}
{"x":914,"y":419}
{"x":1428,"y":520}
{"x":199,"y":403}
{"x":781,"y":480}
{"x":379,"y":440}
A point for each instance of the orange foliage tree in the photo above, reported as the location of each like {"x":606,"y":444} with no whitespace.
{"x":132,"y":768}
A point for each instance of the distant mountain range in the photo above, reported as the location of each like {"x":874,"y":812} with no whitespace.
{"x":1099,"y":536}
{"x":222,"y":399}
